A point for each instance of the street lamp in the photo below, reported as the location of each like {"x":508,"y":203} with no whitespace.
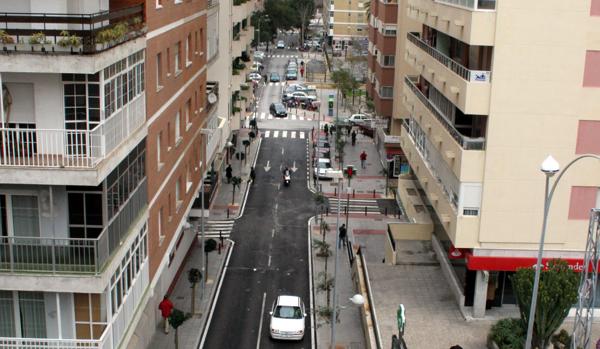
{"x":549,"y":167}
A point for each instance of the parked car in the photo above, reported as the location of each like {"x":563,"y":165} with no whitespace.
{"x":274,"y":77}
{"x":293,"y":60}
{"x":254,"y":76}
{"x":278,"y":110}
{"x":292,"y":65}
{"x":280,"y":44}
{"x":360,"y":119}
{"x":324,"y":153}
{"x":310,"y":89}
{"x":257,"y":66}
{"x":287,"y":318}
{"x":291,"y":75}
{"x":323,"y":169}
{"x":259,"y":55}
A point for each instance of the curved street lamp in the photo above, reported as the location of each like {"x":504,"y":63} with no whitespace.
{"x":549,"y":167}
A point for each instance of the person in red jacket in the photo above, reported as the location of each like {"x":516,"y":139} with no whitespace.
{"x":363,"y":159}
{"x":166,"y":307}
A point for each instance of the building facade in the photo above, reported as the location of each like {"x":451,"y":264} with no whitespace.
{"x":345,"y":23}
{"x":74,"y":263}
{"x":483,"y":96}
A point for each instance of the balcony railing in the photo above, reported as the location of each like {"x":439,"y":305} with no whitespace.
{"x":472,"y":4}
{"x":70,"y":148}
{"x":460,"y":70}
{"x":60,"y":32}
{"x":65,"y":255}
{"x":467,"y":143}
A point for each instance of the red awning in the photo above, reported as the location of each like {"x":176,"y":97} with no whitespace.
{"x":512,"y":263}
{"x":393,"y":151}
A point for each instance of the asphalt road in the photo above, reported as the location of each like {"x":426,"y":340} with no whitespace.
{"x":270,"y":257}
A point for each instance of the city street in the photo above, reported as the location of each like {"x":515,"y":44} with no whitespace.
{"x":271,"y":254}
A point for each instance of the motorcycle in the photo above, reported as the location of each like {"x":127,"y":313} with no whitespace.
{"x":287,"y":178}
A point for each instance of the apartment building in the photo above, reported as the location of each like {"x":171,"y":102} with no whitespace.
{"x":485,"y":91}
{"x":74,"y":262}
{"x":345,"y":22}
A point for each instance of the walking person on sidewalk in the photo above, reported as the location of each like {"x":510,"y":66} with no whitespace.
{"x":166,"y":307}
{"x":363,"y":159}
{"x":343,"y":238}
{"x":228,"y":173}
{"x":353,"y":135}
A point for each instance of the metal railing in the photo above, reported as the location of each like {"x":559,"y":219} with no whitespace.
{"x":467,"y":143}
{"x":459,"y":69}
{"x":472,"y":4}
{"x":66,"y":255}
{"x":70,"y":148}
{"x":90,"y":29}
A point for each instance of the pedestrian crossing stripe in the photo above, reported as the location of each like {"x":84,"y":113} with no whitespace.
{"x":264,"y":116}
{"x":301,"y":135}
{"x":276,"y":83}
{"x":282,"y":56}
{"x":275,"y":134}
{"x":284,"y":134}
{"x":267,"y":134}
{"x":293,"y":134}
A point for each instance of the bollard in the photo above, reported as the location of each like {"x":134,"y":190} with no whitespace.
{"x":386,"y":211}
{"x":353,"y":193}
{"x":346,"y":210}
{"x":220,"y":241}
{"x":335,"y":191}
{"x":373,"y":192}
{"x":228,"y":213}
{"x":365,"y":210}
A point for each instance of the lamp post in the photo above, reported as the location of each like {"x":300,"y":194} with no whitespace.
{"x":549,"y":167}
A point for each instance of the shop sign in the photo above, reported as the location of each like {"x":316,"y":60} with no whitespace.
{"x":513,"y":263}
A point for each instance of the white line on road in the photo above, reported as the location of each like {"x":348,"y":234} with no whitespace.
{"x":269,"y":263}
{"x":301,"y":118}
{"x":267,"y":134}
{"x":293,"y":116}
{"x":293,"y":134}
{"x":272,"y":233}
{"x":284,"y":134}
{"x":262,"y":115}
{"x":301,"y":135}
{"x":270,"y":117}
{"x":275,"y":134}
{"x":262,"y":314}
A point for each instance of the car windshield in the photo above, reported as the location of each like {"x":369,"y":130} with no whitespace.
{"x":324,"y":165}
{"x":279,"y":107}
{"x":287,"y":312}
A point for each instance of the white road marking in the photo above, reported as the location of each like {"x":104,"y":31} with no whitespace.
{"x":284,"y":134}
{"x":270,"y":117}
{"x":275,"y":134}
{"x":293,"y":116}
{"x":262,"y":315}
{"x":301,"y":135}
{"x":272,"y":232}
{"x":267,"y":134}
{"x":301,"y":118}
{"x":293,"y":135}
{"x":269,"y":263}
{"x":262,"y":115}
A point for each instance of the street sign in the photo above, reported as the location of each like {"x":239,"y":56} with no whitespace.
{"x":330,"y":104}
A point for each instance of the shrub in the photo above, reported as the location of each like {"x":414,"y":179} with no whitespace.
{"x":68,"y":40}
{"x":561,"y":340}
{"x":5,"y":38}
{"x":508,"y":334}
{"x":38,"y":39}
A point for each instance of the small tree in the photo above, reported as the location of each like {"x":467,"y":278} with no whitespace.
{"x":177,"y":319}
{"x":194,"y":277}
{"x":235,"y":182}
{"x":322,"y":248}
{"x":326,"y":283}
{"x":557,"y":293}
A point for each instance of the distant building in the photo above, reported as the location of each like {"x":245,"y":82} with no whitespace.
{"x":345,"y":21}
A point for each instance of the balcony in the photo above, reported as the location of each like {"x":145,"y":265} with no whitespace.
{"x":462,"y":154}
{"x":61,"y":148}
{"x":470,"y":24}
{"x":70,"y":33}
{"x":71,"y":256}
{"x":468,"y":89}
{"x":462,"y":229}
{"x":387,"y":11}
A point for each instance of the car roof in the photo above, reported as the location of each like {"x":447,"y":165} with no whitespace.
{"x":291,"y":301}
{"x":324,"y":160}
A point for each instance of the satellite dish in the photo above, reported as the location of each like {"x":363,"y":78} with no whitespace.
{"x":212,"y":98}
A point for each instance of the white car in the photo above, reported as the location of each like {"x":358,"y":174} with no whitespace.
{"x":280,"y":44}
{"x":287,"y":318}
{"x":323,"y":170}
{"x":312,"y":89}
{"x":254,"y":77}
{"x":360,"y":119}
{"x":259,"y":55}
{"x":257,"y":66}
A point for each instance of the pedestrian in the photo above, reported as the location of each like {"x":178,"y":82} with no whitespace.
{"x":456,"y":347}
{"x":229,"y":173}
{"x":363,"y":159}
{"x":252,"y":173}
{"x":343,"y":236}
{"x":353,"y":134}
{"x":166,"y":307}
{"x":326,"y":129}
{"x":331,"y":129}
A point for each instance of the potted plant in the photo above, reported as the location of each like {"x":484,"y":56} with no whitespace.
{"x":68,"y":40}
{"x":38,"y":38}
{"x":5,"y":38}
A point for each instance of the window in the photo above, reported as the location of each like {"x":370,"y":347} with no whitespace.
{"x":168,"y":61}
{"x":187,"y":111}
{"x":178,"y":1}
{"x":161,"y":236}
{"x":196,"y":48}
{"x":582,"y":200}
{"x":159,"y":81}
{"x":588,"y":134}
{"x":177,"y":128}
{"x":188,"y":50}
{"x":591,"y":73}
{"x":388,"y":60}
{"x":158,"y":155}
{"x":33,"y":314}
{"x":169,"y":143}
{"x":177,"y":57}
{"x":389,"y":30}
{"x":201,"y":40}
{"x":178,"y":201}
{"x":159,"y":3}
{"x":595,"y":9}
{"x":188,"y":176}
{"x":386,"y":91}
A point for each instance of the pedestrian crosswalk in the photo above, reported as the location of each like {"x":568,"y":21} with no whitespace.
{"x":284,"y":134}
{"x":282,"y":56}
{"x":355,"y":206}
{"x":216,"y":229}
{"x":301,"y":117}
